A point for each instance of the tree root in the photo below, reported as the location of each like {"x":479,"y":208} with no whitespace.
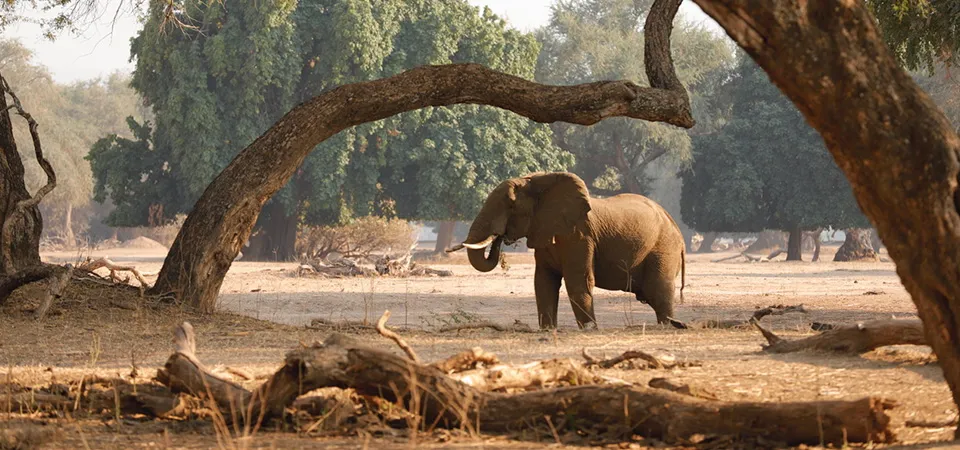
{"x":446,"y":402}
{"x":31,"y":274}
{"x":57,"y":283}
{"x":773,"y":310}
{"x":859,"y":338}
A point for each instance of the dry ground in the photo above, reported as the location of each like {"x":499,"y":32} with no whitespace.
{"x":104,"y":334}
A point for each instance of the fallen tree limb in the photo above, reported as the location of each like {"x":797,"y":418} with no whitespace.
{"x":442,"y":400}
{"x":113,"y":267}
{"x":773,"y":310}
{"x":858,"y":338}
{"x":652,"y":362}
{"x":535,"y":375}
{"x":517,"y":327}
{"x":685,"y":389}
{"x":466,"y":360}
{"x":387,"y":333}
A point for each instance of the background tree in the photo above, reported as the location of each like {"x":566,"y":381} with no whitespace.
{"x":216,"y":89}
{"x":921,"y":33}
{"x":764,"y":168}
{"x":589,"y":40}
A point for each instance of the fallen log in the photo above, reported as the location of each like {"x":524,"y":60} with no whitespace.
{"x":651,"y":362}
{"x":466,"y":360}
{"x":685,"y":389}
{"x":859,"y":338}
{"x":773,"y":310}
{"x":517,"y":327}
{"x":441,"y":400}
{"x":106,"y":263}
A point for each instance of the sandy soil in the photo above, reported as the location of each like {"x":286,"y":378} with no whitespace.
{"x":80,"y":340}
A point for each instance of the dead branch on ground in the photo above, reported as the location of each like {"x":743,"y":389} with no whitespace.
{"x":106,"y":263}
{"x":685,"y":389}
{"x":654,"y":413}
{"x":651,"y":362}
{"x":861,"y":337}
{"x":517,"y":327}
{"x":773,"y":310}
{"x":387,"y":333}
{"x":466,"y":360}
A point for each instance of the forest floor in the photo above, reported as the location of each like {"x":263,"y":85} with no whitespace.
{"x":268,"y":309}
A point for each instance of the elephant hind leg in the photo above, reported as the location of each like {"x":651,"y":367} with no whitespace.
{"x":658,"y":289}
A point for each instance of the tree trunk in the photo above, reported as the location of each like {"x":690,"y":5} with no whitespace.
{"x":814,"y":237}
{"x":277,"y":239}
{"x":225,"y":214}
{"x":68,"y":227}
{"x":706,"y":245}
{"x":767,"y":242}
{"x":897,"y":149}
{"x":856,"y":246}
{"x":444,"y":236}
{"x":20,"y":245}
{"x":794,"y":245}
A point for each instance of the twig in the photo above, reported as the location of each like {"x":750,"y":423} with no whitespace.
{"x":382,"y":329}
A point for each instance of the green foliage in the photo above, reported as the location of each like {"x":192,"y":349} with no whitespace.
{"x":588,"y":40}
{"x":221,"y":82}
{"x":764,"y":167}
{"x":920,"y":32}
{"x":70,"y":119}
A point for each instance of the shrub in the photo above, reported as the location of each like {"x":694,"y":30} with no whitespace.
{"x":360,"y":238}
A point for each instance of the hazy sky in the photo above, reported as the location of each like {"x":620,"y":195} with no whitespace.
{"x":98,"y":51}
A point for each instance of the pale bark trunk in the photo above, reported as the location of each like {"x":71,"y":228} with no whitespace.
{"x":706,"y":245}
{"x":225,"y":214}
{"x":898,"y":150}
{"x":856,"y":246}
{"x":68,"y":227}
{"x":444,"y":236}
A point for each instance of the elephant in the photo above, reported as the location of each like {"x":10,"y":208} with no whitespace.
{"x":624,"y":243}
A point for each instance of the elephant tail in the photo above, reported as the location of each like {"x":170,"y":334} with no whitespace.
{"x":683,"y":272}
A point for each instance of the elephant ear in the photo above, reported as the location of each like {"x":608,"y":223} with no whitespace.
{"x":562,"y":202}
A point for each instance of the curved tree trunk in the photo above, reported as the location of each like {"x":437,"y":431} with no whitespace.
{"x":897,"y":149}
{"x":706,"y":245}
{"x":795,"y":245}
{"x":856,"y":246}
{"x":224,"y":215}
{"x":444,"y":236}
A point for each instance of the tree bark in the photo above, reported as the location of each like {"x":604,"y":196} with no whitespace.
{"x":794,"y":245}
{"x":20,"y":247}
{"x":859,"y":338}
{"x":706,"y":245}
{"x":856,"y":246}
{"x":441,"y":400}
{"x":444,"y":236}
{"x":224,"y":215}
{"x":897,"y":149}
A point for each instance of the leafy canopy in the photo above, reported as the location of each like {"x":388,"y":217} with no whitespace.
{"x":763,"y":167}
{"x":221,"y":81}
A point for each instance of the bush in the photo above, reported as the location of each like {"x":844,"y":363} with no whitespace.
{"x":360,"y":238}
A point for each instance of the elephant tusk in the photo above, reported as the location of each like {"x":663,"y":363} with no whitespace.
{"x":455,"y":248}
{"x":482,"y":244}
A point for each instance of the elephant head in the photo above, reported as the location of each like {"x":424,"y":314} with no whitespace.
{"x":537,"y":206}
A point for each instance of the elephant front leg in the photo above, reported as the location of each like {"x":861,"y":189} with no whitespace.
{"x":546,"y":284}
{"x":578,"y":275}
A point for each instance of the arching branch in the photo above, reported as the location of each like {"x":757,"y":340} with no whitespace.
{"x":223,"y":217}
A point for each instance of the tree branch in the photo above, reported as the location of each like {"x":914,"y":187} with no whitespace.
{"x":226,"y":212}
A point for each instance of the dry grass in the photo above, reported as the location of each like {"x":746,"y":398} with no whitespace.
{"x":93,"y":330}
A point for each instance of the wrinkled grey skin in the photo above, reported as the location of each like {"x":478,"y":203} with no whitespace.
{"x":625,"y":243}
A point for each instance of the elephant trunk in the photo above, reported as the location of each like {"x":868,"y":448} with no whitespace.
{"x":488,"y":263}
